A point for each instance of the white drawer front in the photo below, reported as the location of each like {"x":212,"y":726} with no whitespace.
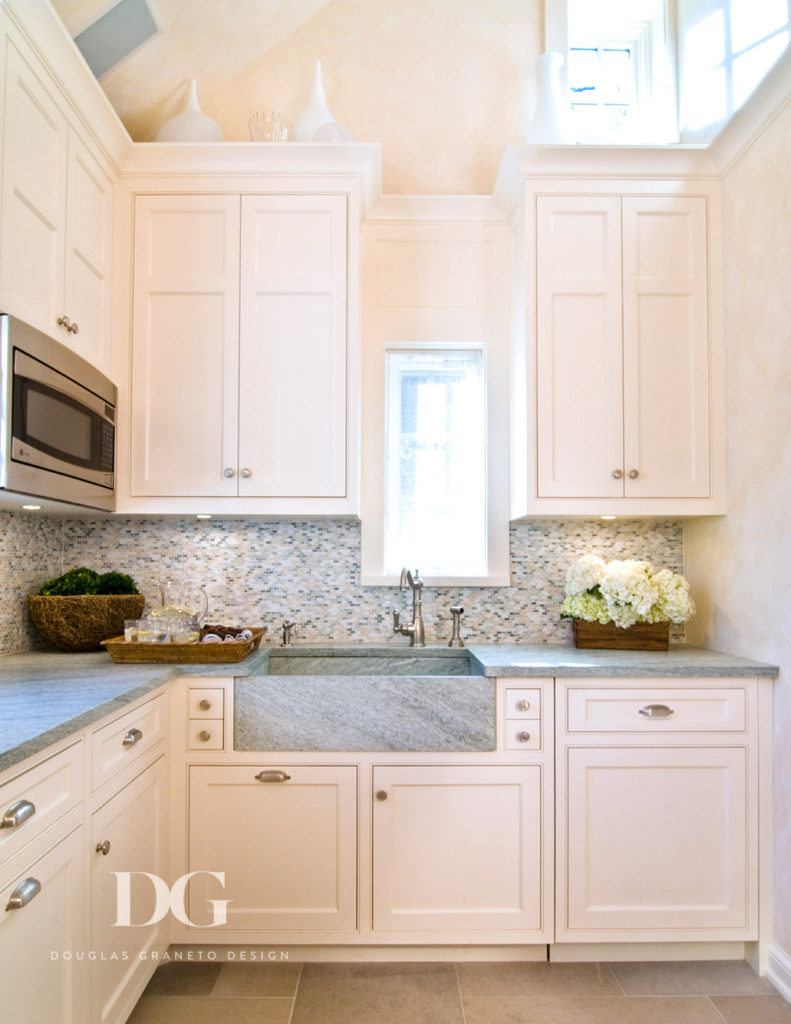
{"x":522,"y":703}
{"x":657,"y":709}
{"x":522,"y":734}
{"x":33,"y":800}
{"x":205,"y":734}
{"x":126,"y":739}
{"x":205,"y":702}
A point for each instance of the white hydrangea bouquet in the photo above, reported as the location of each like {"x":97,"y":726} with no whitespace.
{"x":625,"y":592}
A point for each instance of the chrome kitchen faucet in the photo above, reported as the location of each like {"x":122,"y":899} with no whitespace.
{"x":415,"y":630}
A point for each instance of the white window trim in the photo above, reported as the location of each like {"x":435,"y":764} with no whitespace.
{"x":556,"y":39}
{"x":489,"y":328}
{"x":497,"y":471}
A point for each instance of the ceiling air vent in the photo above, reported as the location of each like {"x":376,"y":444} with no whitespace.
{"x":119,"y":32}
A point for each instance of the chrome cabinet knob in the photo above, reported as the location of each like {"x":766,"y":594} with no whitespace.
{"x":655,"y":711}
{"x":229,"y":472}
{"x":103,"y":848}
{"x":274,"y":775}
{"x":246,"y":473}
{"x":523,"y":737}
{"x":633,"y":474}
{"x":204,"y":735}
{"x":17,"y":814}
{"x":72,"y":328}
{"x":381,"y":795}
{"x":523,"y":705}
{"x":23,"y":894}
{"x":617,"y":473}
{"x":132,"y":737}
{"x":204,"y":704}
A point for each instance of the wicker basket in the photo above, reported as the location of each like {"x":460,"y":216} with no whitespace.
{"x":642,"y":636}
{"x":81,"y":622}
{"x":182,"y":654}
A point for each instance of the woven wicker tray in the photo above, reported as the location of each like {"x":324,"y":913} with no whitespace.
{"x":642,"y":636}
{"x":183,"y":654}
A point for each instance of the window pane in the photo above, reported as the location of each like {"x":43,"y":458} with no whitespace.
{"x":435,"y":501}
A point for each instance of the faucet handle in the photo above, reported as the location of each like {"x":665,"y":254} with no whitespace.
{"x":396,"y":620}
{"x":287,"y":627}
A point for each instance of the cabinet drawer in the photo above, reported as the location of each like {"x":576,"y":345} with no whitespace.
{"x":126,"y":739}
{"x":522,"y":703}
{"x":522,"y":734}
{"x":205,"y":734}
{"x":657,"y":709}
{"x":33,"y":800}
{"x":205,"y":702}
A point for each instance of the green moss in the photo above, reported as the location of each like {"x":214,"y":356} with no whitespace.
{"x":86,"y":581}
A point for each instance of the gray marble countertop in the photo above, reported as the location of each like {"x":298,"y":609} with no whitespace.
{"x":46,"y":696}
{"x":564,"y":660}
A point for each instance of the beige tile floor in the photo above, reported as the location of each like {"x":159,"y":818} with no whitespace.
{"x":465,"y":993}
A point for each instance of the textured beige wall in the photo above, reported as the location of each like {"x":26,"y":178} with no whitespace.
{"x":443,"y":85}
{"x":740,"y":566}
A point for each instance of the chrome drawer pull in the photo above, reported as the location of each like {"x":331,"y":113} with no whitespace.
{"x":272,"y":776}
{"x":18,"y":813}
{"x":204,"y":735}
{"x":132,"y":737}
{"x":523,"y":737}
{"x":204,"y":704}
{"x":656,"y":711}
{"x":23,"y":894}
{"x":523,"y":705}
{"x":103,"y":848}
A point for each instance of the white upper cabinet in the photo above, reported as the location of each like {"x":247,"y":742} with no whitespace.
{"x":57,"y":209}
{"x":185,"y":362}
{"x":292,"y":391}
{"x":239,"y":354}
{"x":579,"y":398}
{"x":666,"y":364}
{"x":617,"y":364}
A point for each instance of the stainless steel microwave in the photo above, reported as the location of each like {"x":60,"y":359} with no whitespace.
{"x":57,"y":427}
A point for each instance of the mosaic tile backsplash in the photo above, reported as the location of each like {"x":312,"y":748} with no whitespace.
{"x":260,"y":573}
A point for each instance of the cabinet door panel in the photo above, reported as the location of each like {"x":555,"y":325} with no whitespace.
{"x":133,"y":822}
{"x":88,"y":226}
{"x":292,"y":389}
{"x":289,"y":856}
{"x":185,"y":345}
{"x":579,"y":408}
{"x":34,"y":198}
{"x":666,"y":347}
{"x":38,"y":986}
{"x":457,"y":848}
{"x":656,"y":843}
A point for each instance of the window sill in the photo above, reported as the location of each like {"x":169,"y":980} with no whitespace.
{"x":441,"y":581}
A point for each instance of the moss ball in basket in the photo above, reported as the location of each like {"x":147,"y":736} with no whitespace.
{"x":79,"y":609}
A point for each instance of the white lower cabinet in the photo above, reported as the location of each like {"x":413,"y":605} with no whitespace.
{"x":657,"y":811}
{"x":285,"y":838}
{"x":457,"y":848}
{"x":43,"y":970}
{"x":127,"y":840}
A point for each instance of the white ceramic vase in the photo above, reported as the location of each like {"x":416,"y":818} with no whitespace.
{"x":191,"y":125}
{"x":551,"y":120}
{"x":316,"y":113}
